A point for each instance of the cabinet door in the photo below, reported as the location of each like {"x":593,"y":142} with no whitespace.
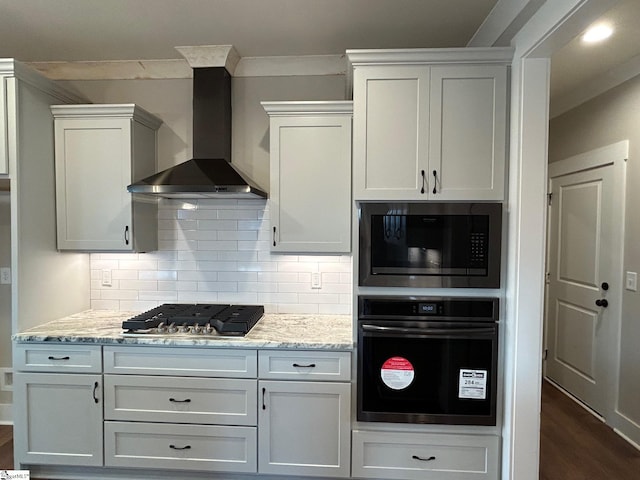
{"x":390,"y":132}
{"x":304,"y":428}
{"x":310,"y":194}
{"x":93,"y":169}
{"x":58,"y":418}
{"x":468,"y":127}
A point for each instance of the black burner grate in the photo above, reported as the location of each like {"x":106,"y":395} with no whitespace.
{"x":226,"y":319}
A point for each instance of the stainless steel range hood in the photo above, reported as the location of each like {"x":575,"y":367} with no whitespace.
{"x":210,"y":173}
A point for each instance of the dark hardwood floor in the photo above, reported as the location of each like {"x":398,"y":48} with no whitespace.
{"x":6,"y":447}
{"x":574,"y":445}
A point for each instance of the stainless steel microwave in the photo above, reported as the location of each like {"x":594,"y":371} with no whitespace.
{"x":436,"y":245}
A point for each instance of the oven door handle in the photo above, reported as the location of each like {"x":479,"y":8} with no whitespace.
{"x":378,"y":329}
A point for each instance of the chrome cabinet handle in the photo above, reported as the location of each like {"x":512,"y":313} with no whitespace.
{"x":59,"y":358}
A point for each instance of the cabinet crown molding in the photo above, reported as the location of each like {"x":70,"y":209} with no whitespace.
{"x":123,"y":110}
{"x":476,"y":55}
{"x":315,"y":108}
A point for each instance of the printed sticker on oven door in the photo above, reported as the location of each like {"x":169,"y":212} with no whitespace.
{"x":397,"y":373}
{"x":473,"y":384}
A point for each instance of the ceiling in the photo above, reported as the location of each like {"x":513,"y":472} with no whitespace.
{"x":95,"y":30}
{"x":577,"y":62}
{"x":76,"y":30}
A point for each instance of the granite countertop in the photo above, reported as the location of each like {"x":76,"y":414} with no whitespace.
{"x":308,"y":331}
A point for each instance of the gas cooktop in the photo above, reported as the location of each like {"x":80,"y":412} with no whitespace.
{"x":195,"y":319}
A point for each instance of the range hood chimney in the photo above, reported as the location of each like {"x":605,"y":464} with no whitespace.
{"x":210,"y":173}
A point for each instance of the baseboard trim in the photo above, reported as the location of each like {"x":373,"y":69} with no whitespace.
{"x":6,"y":416}
{"x":627,"y":429}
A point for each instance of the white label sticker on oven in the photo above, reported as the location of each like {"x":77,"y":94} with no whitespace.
{"x":473,"y":384}
{"x":397,"y":373}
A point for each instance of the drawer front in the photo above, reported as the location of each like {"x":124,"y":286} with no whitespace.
{"x":224,"y":401}
{"x":415,"y":456}
{"x":30,"y":357}
{"x":184,"y":361}
{"x":180,"y":447}
{"x":304,"y":365}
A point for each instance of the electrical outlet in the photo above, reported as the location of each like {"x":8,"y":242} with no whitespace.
{"x":6,"y":379}
{"x":316,"y":281}
{"x":631,"y":281}
{"x":5,"y":275}
{"x":106,"y":277}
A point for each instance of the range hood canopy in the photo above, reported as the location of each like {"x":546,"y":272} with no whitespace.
{"x":210,"y":173}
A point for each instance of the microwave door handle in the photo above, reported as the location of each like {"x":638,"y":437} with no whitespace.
{"x":377,"y":329}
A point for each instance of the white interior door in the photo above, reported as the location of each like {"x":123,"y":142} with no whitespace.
{"x":584,"y":290}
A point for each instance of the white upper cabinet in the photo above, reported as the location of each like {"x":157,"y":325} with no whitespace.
{"x":429,"y":124}
{"x":467,"y":141}
{"x":99,"y":150}
{"x":310,"y":194}
{"x":391,"y":119}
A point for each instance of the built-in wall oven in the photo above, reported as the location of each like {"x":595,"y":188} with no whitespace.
{"x":427,"y":360}
{"x":430,"y":244}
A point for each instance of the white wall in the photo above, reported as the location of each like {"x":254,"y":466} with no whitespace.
{"x":212,"y":250}
{"x":5,"y":295}
{"x":606,"y":119}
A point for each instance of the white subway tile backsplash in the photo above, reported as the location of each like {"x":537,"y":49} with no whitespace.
{"x":217,"y":245}
{"x":217,"y":287}
{"x":218,"y":251}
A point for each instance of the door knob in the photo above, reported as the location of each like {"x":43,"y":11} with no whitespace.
{"x":605,"y":286}
{"x":602,"y":302}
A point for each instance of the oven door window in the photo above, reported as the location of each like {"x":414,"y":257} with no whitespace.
{"x":422,"y":379}
{"x":429,"y":245}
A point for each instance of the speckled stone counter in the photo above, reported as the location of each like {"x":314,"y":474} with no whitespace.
{"x":303,"y":331}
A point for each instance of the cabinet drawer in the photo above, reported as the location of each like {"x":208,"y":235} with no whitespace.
{"x":70,"y":358}
{"x":180,"y":447}
{"x":225,"y":401}
{"x":304,"y":364}
{"x":184,"y":362}
{"x":415,"y":456}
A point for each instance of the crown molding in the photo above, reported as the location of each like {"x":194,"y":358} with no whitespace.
{"x":10,"y":67}
{"x":180,"y":68}
{"x":308,"y":108}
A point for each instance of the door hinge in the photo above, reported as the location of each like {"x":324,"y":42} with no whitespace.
{"x":547,"y":278}
{"x":549,"y":198}
{"x":545,"y":353}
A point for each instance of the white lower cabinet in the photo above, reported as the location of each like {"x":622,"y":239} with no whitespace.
{"x":304,"y":426}
{"x":159,"y":415}
{"x":57,"y":404}
{"x":180,"y":447}
{"x":422,"y":456}
{"x":58,"y":418}
{"x":221,"y":401}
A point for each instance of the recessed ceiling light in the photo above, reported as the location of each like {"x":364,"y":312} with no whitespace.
{"x":597,"y":33}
